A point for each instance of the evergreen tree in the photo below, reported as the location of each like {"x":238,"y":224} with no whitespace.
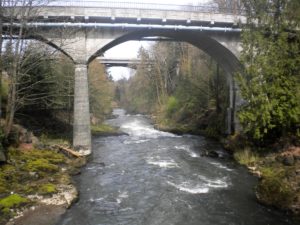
{"x":271,"y":55}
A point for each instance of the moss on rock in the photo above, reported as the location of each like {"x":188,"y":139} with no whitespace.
{"x":47,"y":189}
{"x":10,"y":202}
{"x":37,"y":165}
{"x":30,"y":172}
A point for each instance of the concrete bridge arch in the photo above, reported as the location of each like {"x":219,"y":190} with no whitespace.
{"x":224,"y":48}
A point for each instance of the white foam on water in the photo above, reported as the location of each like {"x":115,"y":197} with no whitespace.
{"x":203,"y":185}
{"x":121,"y":196}
{"x":126,"y":209}
{"x":163,"y":163}
{"x":139,"y":129}
{"x":96,"y":199}
{"x":216,"y":183}
{"x":190,"y":189}
{"x":111,"y":165}
{"x":188,"y":150}
{"x":128,"y":142}
{"x":219,"y":165}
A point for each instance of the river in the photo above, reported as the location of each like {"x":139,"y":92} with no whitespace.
{"x":150,"y":177}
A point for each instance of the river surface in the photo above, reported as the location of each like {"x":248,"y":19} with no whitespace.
{"x":156,"y":178}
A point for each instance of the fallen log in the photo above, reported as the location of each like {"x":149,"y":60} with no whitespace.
{"x":68,"y":150}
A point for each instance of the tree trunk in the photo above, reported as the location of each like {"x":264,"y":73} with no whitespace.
{"x":12,"y":95}
{"x":1,"y":69}
{"x":218,"y":107}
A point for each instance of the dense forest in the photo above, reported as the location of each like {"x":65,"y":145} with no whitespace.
{"x":184,"y":89}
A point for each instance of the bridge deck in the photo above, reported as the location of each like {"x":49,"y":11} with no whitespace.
{"x":137,"y":13}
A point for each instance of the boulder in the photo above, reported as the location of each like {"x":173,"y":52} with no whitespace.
{"x":212,"y":154}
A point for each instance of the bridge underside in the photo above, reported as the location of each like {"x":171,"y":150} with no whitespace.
{"x":82,"y":45}
{"x":122,"y":62}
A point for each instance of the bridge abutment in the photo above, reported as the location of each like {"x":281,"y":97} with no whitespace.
{"x":81,"y":125}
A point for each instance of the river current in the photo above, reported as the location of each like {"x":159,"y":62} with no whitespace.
{"x":150,"y":177}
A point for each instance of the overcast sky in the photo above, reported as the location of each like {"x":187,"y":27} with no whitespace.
{"x":129,"y":49}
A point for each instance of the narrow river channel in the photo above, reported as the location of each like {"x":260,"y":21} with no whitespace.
{"x":156,"y":178}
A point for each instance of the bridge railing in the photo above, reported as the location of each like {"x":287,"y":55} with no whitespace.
{"x":200,"y":7}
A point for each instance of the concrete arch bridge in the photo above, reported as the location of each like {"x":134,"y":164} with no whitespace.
{"x":84,"y":30}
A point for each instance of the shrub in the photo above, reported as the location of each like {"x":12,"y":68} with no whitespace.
{"x":172,"y":106}
{"x":246,"y":157}
{"x":274,"y":188}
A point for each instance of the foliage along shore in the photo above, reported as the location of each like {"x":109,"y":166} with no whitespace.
{"x":278,"y":169}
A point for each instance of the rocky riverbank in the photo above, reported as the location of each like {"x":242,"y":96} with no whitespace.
{"x":34,"y":181}
{"x":36,"y":184}
{"x":46,"y":210}
{"x":278,"y":169}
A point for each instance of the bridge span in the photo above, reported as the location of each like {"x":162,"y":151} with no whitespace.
{"x":84,"y":30}
{"x":122,"y":62}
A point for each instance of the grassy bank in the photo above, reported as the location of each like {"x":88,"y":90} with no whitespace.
{"x":278,"y":172}
{"x":105,"y":130}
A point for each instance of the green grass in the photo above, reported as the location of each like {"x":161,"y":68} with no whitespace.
{"x":47,"y":139}
{"x":103,"y":129}
{"x":274,"y":187}
{"x":246,"y":157}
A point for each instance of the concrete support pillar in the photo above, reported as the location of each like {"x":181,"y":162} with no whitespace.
{"x":233,"y":124}
{"x":230,"y":108}
{"x":238,"y":103}
{"x":81,"y":126}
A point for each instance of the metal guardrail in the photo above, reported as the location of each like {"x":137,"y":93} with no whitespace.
{"x":201,"y":7}
{"x":134,"y":5}
{"x":126,"y":26}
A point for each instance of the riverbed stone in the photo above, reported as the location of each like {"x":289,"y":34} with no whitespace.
{"x":288,"y":160}
{"x":212,"y":154}
{"x":2,"y":156}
